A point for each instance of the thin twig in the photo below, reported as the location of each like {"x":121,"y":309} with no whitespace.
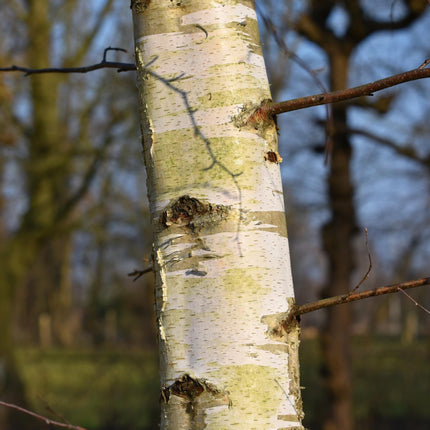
{"x":370,"y":265}
{"x":294,"y":57}
{"x":49,"y":409}
{"x":110,"y":48}
{"x":40,"y":417}
{"x":347,"y":298}
{"x":138,"y":273}
{"x":414,"y":301}
{"x":122,"y":67}
{"x":425,"y":64}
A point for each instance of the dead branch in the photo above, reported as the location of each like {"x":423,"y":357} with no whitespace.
{"x":40,"y":417}
{"x":342,"y":95}
{"x":352,"y":297}
{"x":121,"y":67}
{"x":138,"y":273}
{"x":104,"y":64}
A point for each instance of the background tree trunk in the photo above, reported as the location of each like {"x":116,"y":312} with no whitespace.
{"x":338,"y":236}
{"x":45,"y":288}
{"x":339,"y":41}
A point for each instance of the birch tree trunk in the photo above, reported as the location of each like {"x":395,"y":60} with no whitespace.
{"x":221,"y":259}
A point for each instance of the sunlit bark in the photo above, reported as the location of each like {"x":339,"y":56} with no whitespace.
{"x":223,"y":280}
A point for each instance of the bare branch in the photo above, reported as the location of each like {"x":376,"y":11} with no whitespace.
{"x":40,"y":417}
{"x":88,"y":38}
{"x":370,"y":265}
{"x":347,"y":94}
{"x":269,"y":108}
{"x":347,"y":298}
{"x":138,"y":273}
{"x":49,"y":409}
{"x":425,"y":64}
{"x":407,"y":151}
{"x":87,"y":180}
{"x":121,"y":67}
{"x":414,"y":301}
{"x":111,"y":48}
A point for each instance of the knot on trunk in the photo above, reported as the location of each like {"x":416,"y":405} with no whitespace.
{"x":192,"y":213}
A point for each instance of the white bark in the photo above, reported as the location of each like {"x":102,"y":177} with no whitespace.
{"x":223,"y":279}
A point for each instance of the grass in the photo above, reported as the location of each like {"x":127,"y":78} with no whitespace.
{"x":96,"y":389}
{"x":391,"y":384}
{"x":118,"y":389}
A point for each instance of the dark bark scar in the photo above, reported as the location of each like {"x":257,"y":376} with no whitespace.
{"x":139,"y":5}
{"x":190,"y":388}
{"x":273,"y":157}
{"x":192,"y":213}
